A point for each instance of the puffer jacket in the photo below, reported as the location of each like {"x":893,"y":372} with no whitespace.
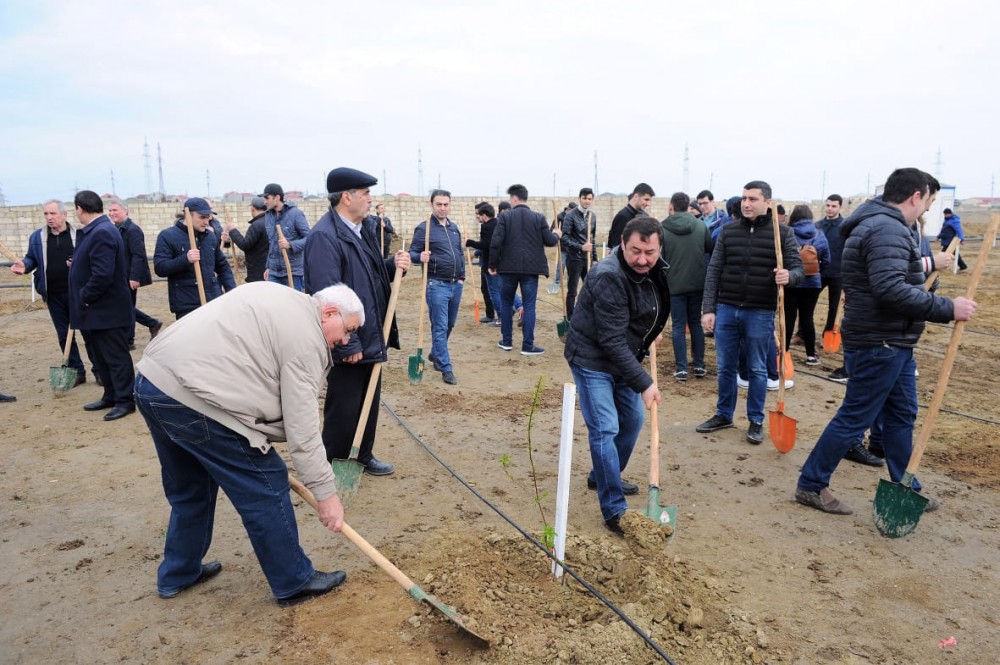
{"x":519,"y":242}
{"x":170,"y":261}
{"x":574,"y":233}
{"x":296,"y":229}
{"x":741,"y":272}
{"x":807,"y":234}
{"x":885,"y":301}
{"x":618,"y":315}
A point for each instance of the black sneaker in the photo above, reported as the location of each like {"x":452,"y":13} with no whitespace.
{"x":681,"y":375}
{"x":533,"y":351}
{"x":506,"y":346}
{"x":699,"y":372}
{"x":839,"y":375}
{"x":858,"y":453}
{"x":713,"y":424}
{"x":628,"y":489}
{"x":614,"y":525}
{"x":755,"y":433}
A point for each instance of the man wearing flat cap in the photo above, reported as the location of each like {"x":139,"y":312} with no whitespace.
{"x":175,"y":259}
{"x":295,"y":229}
{"x":344,"y":247}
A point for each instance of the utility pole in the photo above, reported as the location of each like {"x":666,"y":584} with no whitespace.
{"x":159,"y":163}
{"x":596,"y":190}
{"x":3,"y":201}
{"x":822,"y":191}
{"x":147,"y":165}
{"x":686,"y":173}
{"x":937,"y":164}
{"x":420,"y":173}
{"x":385,"y":189}
{"x":113,"y":183}
{"x":993,"y":180}
{"x":208,"y":184}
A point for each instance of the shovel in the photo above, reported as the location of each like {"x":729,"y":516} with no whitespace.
{"x":197,"y":264}
{"x":662,"y":515}
{"x":236,"y":261}
{"x":63,"y":378}
{"x":416,"y":366}
{"x":349,"y":471}
{"x":952,"y":248}
{"x":475,"y":291}
{"x":897,"y":506}
{"x":781,"y":427}
{"x":396,"y":574}
{"x":284,"y":255}
{"x":553,"y":287}
{"x":831,"y":338}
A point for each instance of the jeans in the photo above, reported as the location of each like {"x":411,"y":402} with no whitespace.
{"x":509,"y":284}
{"x":772,"y":360}
{"x":443,"y":299}
{"x":58,"y":304}
{"x":494,"y":284}
{"x":614,"y":414}
{"x":685,"y":312}
{"x":881,"y":385}
{"x":297,"y":280}
{"x":198,"y":456}
{"x":752,"y":327}
{"x":576,"y":270}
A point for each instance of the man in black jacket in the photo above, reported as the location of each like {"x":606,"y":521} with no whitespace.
{"x":254,"y":244}
{"x":741,"y":295}
{"x":489,"y":284}
{"x":579,"y":228}
{"x":517,"y":254}
{"x":343,"y":248}
{"x":885,"y":308}
{"x":138,"y":263}
{"x":639,"y":201}
{"x":623,"y":307}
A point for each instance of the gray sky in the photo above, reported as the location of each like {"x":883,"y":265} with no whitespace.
{"x":496,"y":93}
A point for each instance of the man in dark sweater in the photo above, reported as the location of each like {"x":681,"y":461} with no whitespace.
{"x":254,"y":243}
{"x":639,"y":201}
{"x":830,"y":278}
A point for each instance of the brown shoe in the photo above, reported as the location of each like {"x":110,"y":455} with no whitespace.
{"x":823,"y":500}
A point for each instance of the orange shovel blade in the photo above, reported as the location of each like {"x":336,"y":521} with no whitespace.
{"x":789,"y":364}
{"x":782,"y":429}
{"x":831,"y":340}
{"x":475,"y":311}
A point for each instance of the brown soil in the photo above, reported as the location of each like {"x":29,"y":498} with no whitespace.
{"x":749,"y":576}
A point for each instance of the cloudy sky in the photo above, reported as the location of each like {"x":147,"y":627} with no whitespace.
{"x":495,"y":93}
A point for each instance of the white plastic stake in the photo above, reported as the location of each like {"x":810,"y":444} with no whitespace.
{"x":562,"y":487}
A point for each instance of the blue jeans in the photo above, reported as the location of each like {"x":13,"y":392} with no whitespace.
{"x":772,"y":360}
{"x":509,"y":284}
{"x":614,"y":414}
{"x":197,"y":457}
{"x":751,"y":327}
{"x":493,"y":283}
{"x":443,"y":299}
{"x":685,"y":311}
{"x":297,"y":280}
{"x":881,"y":385}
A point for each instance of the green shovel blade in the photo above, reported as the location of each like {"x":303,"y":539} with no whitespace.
{"x":348,"y":473}
{"x":563,"y":329}
{"x":416,"y":367}
{"x":662,"y":515}
{"x":897,"y":508}
{"x":62,"y":379}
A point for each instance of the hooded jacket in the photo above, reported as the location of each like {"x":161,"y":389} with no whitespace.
{"x":686,"y":242}
{"x":807,"y":234}
{"x":885,"y":300}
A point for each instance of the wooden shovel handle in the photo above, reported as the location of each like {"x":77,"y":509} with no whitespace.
{"x":423,"y":289}
{"x":586,"y":221}
{"x":468,"y":256}
{"x":952,"y":248}
{"x":949,"y":357}
{"x":654,"y":426}
{"x":70,"y":334}
{"x":232,"y":247}
{"x":7,"y":253}
{"x":197,"y":264}
{"x":355,"y":537}
{"x":284,"y":255}
{"x":559,"y":265}
{"x":781,"y":306}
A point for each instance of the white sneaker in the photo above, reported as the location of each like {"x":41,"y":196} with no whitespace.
{"x":744,"y":384}
{"x":772,"y":384}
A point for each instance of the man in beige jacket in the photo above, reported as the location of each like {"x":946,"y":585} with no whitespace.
{"x":213,"y":418}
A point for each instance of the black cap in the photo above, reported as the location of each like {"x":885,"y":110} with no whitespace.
{"x":274,"y":189}
{"x":343,"y":179}
{"x":948,"y":211}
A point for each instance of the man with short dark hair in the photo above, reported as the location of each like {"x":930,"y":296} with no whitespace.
{"x":579,"y":229}
{"x":517,"y":255}
{"x":830,"y":278}
{"x":138,"y":266}
{"x":486,"y":216}
{"x":951,"y":228}
{"x":741,"y":296}
{"x":638,"y":201}
{"x":385,"y":231}
{"x":254,"y":244}
{"x":100,"y":303}
{"x":622,"y":310}
{"x":884,"y":316}
{"x":344,"y":248}
{"x":712,"y":217}
{"x":295,"y":229}
{"x":445,"y":266}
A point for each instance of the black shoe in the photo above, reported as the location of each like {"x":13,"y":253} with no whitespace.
{"x":119,"y":411}
{"x":700,"y":372}
{"x":858,"y":453}
{"x":80,"y":379}
{"x":627,"y":488}
{"x":97,"y":380}
{"x":486,"y":319}
{"x":876,"y":450}
{"x":99,"y":405}
{"x":839,"y":375}
{"x":614,"y":525}
{"x":713,"y":424}
{"x":320,"y":584}
{"x":373,"y":467}
{"x":435,"y":363}
{"x":154,"y":329}
{"x":4,"y":397}
{"x":208,"y":571}
{"x":532,"y":351}
{"x":449,"y":378}
{"x":755,"y":433}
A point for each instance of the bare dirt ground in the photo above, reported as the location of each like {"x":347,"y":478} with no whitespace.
{"x":750,"y":577}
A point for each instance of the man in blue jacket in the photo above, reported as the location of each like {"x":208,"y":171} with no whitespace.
{"x":138,"y":266}
{"x":622,"y":309}
{"x":295,"y":229}
{"x":885,"y":310}
{"x":49,"y":251}
{"x":950,"y":229}
{"x":344,"y":248}
{"x":100,"y":304}
{"x":445,"y":263}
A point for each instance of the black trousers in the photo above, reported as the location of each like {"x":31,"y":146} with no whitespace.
{"x":113,"y":364}
{"x":139,"y":317}
{"x":835,"y":287}
{"x":576,"y":270}
{"x":487,"y":299}
{"x":346,"y":386}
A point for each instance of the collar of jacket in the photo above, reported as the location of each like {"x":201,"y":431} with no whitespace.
{"x":658,"y":269}
{"x":183,"y":225}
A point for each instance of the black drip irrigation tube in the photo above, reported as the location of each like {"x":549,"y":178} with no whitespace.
{"x":534,"y":541}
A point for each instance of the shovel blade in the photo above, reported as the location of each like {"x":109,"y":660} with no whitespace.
{"x":348,"y":473}
{"x":446,"y":610}
{"x":782,"y":429}
{"x":416,"y":367}
{"x":562,"y":328}
{"x":662,"y":515}
{"x":897,"y":508}
{"x":61,"y":379}
{"x":786,"y":358}
{"x":831,"y":341}
{"x":552,"y":288}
